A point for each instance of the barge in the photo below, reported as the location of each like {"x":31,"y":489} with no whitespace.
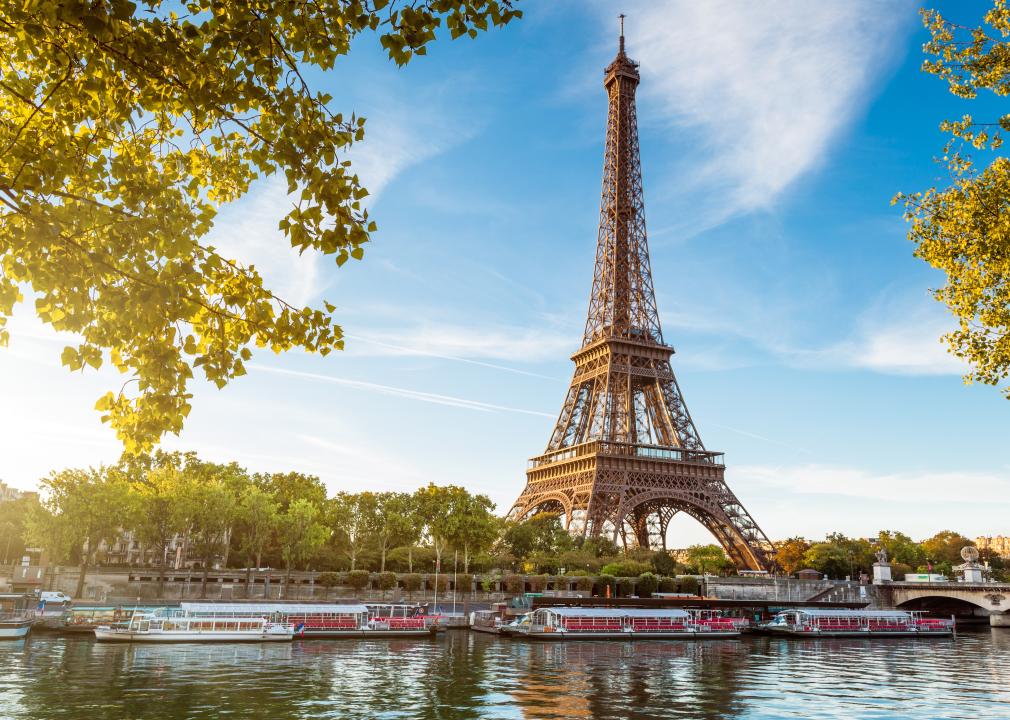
{"x":597,"y":623}
{"x":312,"y":620}
{"x":163,"y":628}
{"x":17,"y":615}
{"x":835,"y":623}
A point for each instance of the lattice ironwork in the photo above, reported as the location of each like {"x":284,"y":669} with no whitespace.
{"x":625,"y":455}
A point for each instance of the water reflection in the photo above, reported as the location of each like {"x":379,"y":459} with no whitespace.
{"x":477,"y":676}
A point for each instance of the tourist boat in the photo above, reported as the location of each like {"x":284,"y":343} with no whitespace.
{"x":824,"y":622}
{"x":84,"y":619}
{"x":178,"y":627}
{"x":597,"y":623}
{"x":17,"y":615}
{"x":486,"y":621}
{"x":312,"y":620}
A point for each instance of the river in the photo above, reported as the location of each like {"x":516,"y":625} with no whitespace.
{"x":468,"y":675}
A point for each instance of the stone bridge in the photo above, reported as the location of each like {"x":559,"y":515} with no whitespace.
{"x":993,"y":599}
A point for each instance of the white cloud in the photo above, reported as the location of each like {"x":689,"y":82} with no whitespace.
{"x":935,"y":488}
{"x":470,"y":344}
{"x":407,"y":393}
{"x":396,"y":138}
{"x":899,"y":338}
{"x":762,"y":87}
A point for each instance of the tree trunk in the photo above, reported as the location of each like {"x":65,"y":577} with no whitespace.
{"x":162,"y":569}
{"x":287,"y":579}
{"x":79,"y":593}
{"x":382,"y":561}
{"x":203,"y":581}
{"x":410,"y":558}
{"x":248,"y":579}
{"x":466,"y":559}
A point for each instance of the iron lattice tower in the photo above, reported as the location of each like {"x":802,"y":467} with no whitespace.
{"x":625,"y":456}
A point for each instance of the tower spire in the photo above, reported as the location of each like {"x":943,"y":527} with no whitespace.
{"x":621,"y":51}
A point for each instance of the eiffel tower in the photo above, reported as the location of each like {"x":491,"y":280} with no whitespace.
{"x":625,"y":456}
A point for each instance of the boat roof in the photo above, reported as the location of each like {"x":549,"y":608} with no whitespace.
{"x":840,"y":612}
{"x":288,"y":608}
{"x":618,"y":612}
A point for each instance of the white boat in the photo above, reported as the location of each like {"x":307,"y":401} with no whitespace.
{"x":832,"y":622}
{"x":319,"y":620}
{"x":598,"y":623}
{"x":17,"y":615}
{"x":156,"y":627}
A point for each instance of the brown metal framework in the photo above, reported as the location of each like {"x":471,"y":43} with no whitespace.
{"x":625,"y":456}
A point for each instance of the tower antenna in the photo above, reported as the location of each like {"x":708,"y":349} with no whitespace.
{"x":621,"y":16}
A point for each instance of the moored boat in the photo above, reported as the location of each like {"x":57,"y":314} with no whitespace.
{"x":17,"y":615}
{"x":317,"y":620}
{"x":84,"y":619}
{"x":165,"y":628}
{"x":486,"y":621}
{"x":597,"y":623}
{"x":825,"y":622}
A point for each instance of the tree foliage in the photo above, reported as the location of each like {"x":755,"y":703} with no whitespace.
{"x":959,"y":228}
{"x":125,"y":126}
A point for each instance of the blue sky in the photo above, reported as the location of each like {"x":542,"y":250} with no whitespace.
{"x":773,"y":138}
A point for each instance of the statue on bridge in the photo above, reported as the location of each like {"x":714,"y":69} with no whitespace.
{"x":881,"y":556}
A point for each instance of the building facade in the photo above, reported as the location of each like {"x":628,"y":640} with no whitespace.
{"x":995,"y":545}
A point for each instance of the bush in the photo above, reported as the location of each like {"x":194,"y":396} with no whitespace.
{"x":490,"y":583}
{"x":647,"y":584}
{"x":584,"y":583}
{"x":411,"y":582}
{"x":626,"y":568}
{"x":537,"y":583}
{"x":688,"y":584}
{"x":464,"y":583}
{"x":441,"y":584}
{"x":386,"y":581}
{"x":626,"y":586}
{"x":663,"y":563}
{"x":328,"y":579}
{"x":606,"y":581}
{"x":514,"y":584}
{"x":358,"y":579}
{"x":668,"y":585}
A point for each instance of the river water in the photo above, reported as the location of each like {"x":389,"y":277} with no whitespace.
{"x":469,"y":675}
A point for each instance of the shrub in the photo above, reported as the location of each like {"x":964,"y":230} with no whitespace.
{"x":668,"y":585}
{"x":688,"y":584}
{"x":441,"y":583}
{"x":328,"y":579}
{"x":411,"y":582}
{"x":490,"y":583}
{"x":358,"y":579}
{"x":606,"y":581}
{"x":647,"y":584}
{"x":464,"y":583}
{"x":584,"y":583}
{"x":626,"y":568}
{"x":537,"y":583}
{"x":386,"y":581}
{"x":663,"y":563}
{"x":626,"y":585}
{"x":514,"y":584}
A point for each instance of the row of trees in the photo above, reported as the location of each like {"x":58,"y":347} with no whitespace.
{"x":838,"y":556}
{"x":224,"y":513}
{"x":229,"y":517}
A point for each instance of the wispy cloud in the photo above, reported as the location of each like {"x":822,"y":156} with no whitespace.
{"x":407,"y":393}
{"x":931,"y":487}
{"x":760,"y":88}
{"x":477,"y":345}
{"x":899,"y":338}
